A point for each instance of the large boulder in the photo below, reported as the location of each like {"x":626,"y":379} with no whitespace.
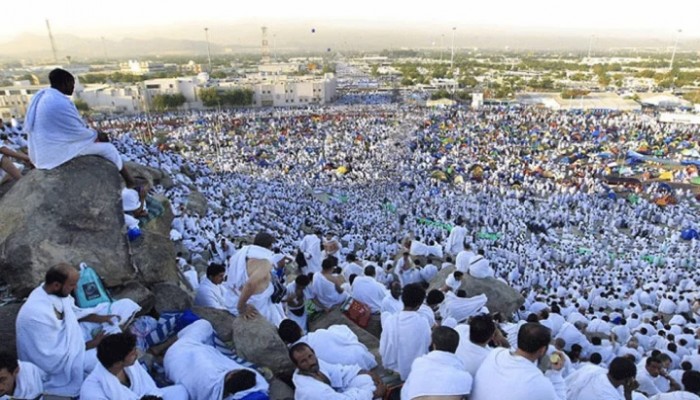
{"x":153,"y":176}
{"x":135,"y":291}
{"x":171,"y":298}
{"x":501,"y":297}
{"x":280,"y":390}
{"x":69,"y":214}
{"x":257,"y":341}
{"x":197,"y":203}
{"x":8,"y":316}
{"x":163,"y":223}
{"x":221,"y":320}
{"x":154,"y":257}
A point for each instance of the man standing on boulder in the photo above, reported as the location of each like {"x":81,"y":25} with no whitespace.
{"x":57,"y":133}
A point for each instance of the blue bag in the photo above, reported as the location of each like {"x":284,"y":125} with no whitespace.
{"x":90,"y":291}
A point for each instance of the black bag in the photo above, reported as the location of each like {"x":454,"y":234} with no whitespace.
{"x":280,"y":291}
{"x":300,"y":259}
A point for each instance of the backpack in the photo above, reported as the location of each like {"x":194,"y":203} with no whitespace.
{"x":90,"y":290}
{"x":357,"y":312}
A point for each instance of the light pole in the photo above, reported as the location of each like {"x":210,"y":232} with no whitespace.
{"x":206,"y":34}
{"x":452,"y":60}
{"x":452,"y":57}
{"x":675,"y":45}
{"x":590,"y":47}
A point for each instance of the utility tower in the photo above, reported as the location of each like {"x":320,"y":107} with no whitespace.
{"x":53,"y":45}
{"x":265,"y":47}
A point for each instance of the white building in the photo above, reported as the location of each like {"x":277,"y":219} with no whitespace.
{"x":141,"y":67}
{"x":283,"y":91}
{"x":15,"y":99}
{"x":107,"y":98}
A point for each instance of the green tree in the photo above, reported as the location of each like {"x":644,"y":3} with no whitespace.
{"x":374,"y":70}
{"x":693,"y":97}
{"x":573,"y":93}
{"x":81,"y":105}
{"x":164,"y":102}
{"x":210,"y":97}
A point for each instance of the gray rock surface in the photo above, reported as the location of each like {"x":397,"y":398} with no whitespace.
{"x":170,"y":297}
{"x":257,"y":341}
{"x":197,"y":203}
{"x":137,"y":292}
{"x":501,"y":297}
{"x":69,"y":214}
{"x":8,"y":316}
{"x":221,"y":320}
{"x":153,"y":176}
{"x":154,"y":256}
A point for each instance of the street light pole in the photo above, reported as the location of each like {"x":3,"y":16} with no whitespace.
{"x":206,"y":34}
{"x":675,"y":45}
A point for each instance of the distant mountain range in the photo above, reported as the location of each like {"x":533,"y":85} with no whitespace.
{"x":304,"y":37}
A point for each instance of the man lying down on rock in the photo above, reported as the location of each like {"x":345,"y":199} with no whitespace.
{"x":193,"y":362}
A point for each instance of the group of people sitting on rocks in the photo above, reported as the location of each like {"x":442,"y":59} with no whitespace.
{"x":610,"y":296}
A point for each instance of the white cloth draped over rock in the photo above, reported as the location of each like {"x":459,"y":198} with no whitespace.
{"x":124,"y":309}
{"x":437,"y":366}
{"x":56,"y":132}
{"x":461,"y":308}
{"x":49,"y":336}
{"x":339,"y":345}
{"x":193,"y":362}
{"x":345,"y":384}
{"x":405,"y":337}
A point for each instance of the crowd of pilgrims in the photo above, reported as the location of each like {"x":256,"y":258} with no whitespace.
{"x":368,"y":203}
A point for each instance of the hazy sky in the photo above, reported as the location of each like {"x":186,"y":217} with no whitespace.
{"x":122,"y":18}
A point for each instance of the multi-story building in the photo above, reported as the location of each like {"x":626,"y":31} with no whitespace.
{"x":15,"y":99}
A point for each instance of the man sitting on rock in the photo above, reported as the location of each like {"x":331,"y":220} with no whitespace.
{"x":210,"y":292}
{"x":20,"y":379}
{"x":193,"y":362}
{"x":316,"y":379}
{"x":335,"y":345}
{"x":51,"y":330}
{"x":57,"y":133}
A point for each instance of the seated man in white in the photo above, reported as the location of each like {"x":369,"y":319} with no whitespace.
{"x":118,"y":375}
{"x":464,"y":259}
{"x":335,"y":345}
{"x":474,"y":341}
{"x":392,"y":303}
{"x":49,"y":332}
{"x":297,"y":293}
{"x":406,"y":334}
{"x":315,"y":379}
{"x":367,"y":290}
{"x":460,"y":307}
{"x":20,"y":379}
{"x":617,"y":383}
{"x":57,"y":133}
{"x":210,"y":292}
{"x":327,"y":286}
{"x":515,"y":376}
{"x":193,"y":362}
{"x":440,"y":365}
{"x":691,"y":388}
{"x":479,"y":266}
